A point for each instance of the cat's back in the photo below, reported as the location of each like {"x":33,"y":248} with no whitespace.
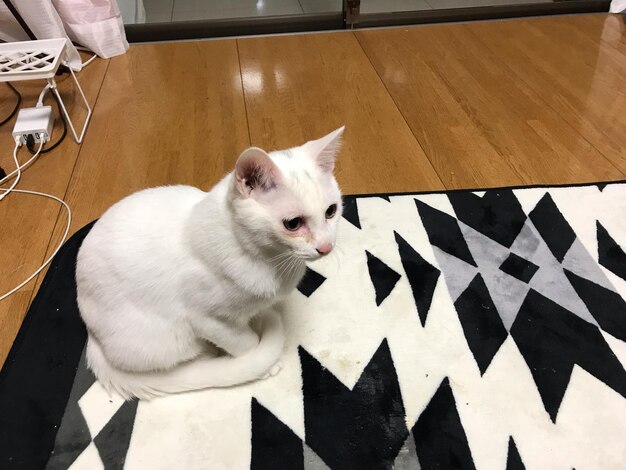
{"x":142,"y":223}
{"x":151,"y":208}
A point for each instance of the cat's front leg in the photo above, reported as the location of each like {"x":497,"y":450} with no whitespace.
{"x":232,"y":338}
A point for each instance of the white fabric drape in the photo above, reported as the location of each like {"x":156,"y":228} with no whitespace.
{"x":618,"y":6}
{"x":94,"y":24}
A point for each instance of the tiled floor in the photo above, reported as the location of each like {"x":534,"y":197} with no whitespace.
{"x":214,"y":9}
{"x":158,"y":11}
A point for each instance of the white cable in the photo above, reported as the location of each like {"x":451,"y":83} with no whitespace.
{"x":6,"y":192}
{"x":90,"y":60}
{"x":42,"y":94}
{"x":18,"y":169}
{"x":67,"y":229}
{"x":21,"y":168}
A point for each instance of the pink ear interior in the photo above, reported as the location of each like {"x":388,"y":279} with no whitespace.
{"x":327,"y":148}
{"x":255,"y":170}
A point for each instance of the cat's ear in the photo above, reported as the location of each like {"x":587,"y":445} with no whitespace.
{"x":325,"y":150}
{"x":255,"y":170}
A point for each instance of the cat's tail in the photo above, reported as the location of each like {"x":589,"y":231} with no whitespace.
{"x":202,"y":372}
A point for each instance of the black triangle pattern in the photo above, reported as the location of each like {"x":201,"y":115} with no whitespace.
{"x":355,"y":428}
{"x":610,"y":254}
{"x":311,"y":281}
{"x":440,"y":439}
{"x":497,"y":215}
{"x":482,"y":325}
{"x":444,"y":232}
{"x":71,"y":440}
{"x":113,"y":440}
{"x":351,"y":211}
{"x":518,"y":267}
{"x":274,"y":445}
{"x":73,"y":436}
{"x":514,"y":460}
{"x":360,"y":428}
{"x":383,"y":277}
{"x":607,"y":307}
{"x":553,"y":227}
{"x":421,"y":274}
{"x":551,"y":339}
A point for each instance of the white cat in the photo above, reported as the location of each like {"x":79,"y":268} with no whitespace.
{"x":168,"y":273}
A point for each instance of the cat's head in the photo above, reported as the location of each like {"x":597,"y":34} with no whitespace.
{"x":288,"y":201}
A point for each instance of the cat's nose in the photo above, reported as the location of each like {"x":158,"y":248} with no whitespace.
{"x":324,"y":249}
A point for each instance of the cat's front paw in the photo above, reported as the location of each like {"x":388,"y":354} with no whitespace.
{"x":276,"y":368}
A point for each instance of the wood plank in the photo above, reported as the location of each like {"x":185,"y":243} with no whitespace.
{"x":608,"y":28}
{"x":582,"y":78}
{"x":167,"y":114}
{"x":477,"y":121}
{"x":300,"y":87}
{"x":27,"y":222}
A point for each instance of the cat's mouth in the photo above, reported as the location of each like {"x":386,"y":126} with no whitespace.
{"x":313,"y":256}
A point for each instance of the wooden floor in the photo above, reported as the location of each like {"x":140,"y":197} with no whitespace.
{"x":427,"y":108}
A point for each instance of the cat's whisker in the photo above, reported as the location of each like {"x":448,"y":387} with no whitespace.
{"x":294,"y":265}
{"x":285,"y":266}
{"x":285,"y":273}
{"x":336,"y":256}
{"x":280,"y":255}
{"x":283,"y":270}
{"x":338,"y":248}
{"x":282,"y":260}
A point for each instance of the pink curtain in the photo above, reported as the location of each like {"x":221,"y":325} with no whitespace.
{"x":94,"y":24}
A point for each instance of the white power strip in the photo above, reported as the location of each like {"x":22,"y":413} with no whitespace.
{"x":33,"y":121}
{"x":36,"y":60}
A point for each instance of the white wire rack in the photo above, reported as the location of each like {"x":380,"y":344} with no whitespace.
{"x":40,"y":60}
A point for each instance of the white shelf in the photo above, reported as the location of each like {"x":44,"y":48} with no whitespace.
{"x":31,"y":60}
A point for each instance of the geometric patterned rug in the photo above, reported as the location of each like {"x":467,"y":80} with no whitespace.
{"x":463,"y":329}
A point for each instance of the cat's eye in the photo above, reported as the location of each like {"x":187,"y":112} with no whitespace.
{"x":331,"y":211}
{"x":293,"y":224}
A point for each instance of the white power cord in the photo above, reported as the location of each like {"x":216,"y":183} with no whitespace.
{"x":18,"y":171}
{"x":42,"y":94}
{"x":91,"y":59}
{"x":45,"y":263}
{"x":17,"y":168}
